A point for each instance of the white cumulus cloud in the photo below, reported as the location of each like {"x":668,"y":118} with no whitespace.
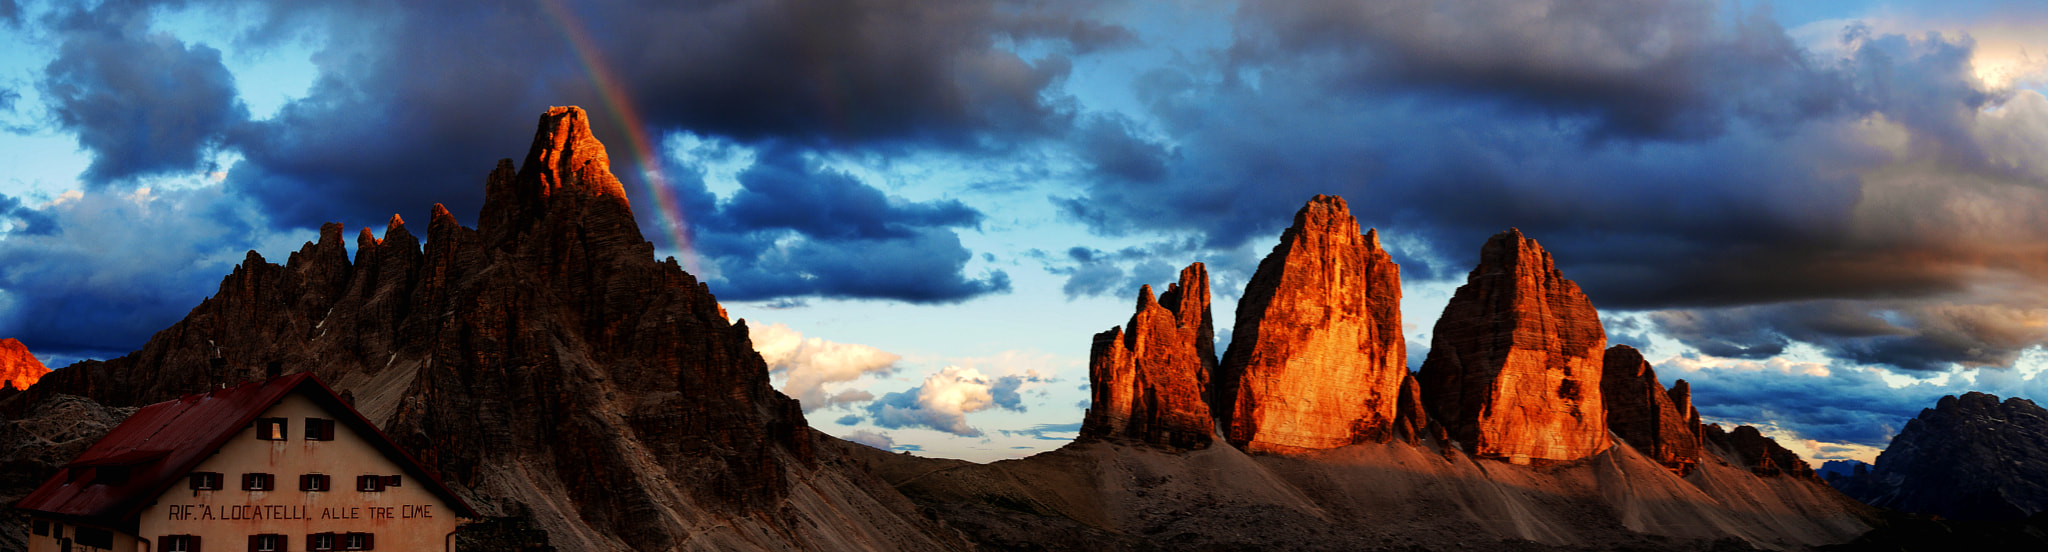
{"x":811,"y":368}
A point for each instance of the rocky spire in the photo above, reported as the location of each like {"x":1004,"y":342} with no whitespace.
{"x":1150,"y":384}
{"x":1316,"y":359}
{"x":1514,"y":366}
{"x":1644,"y":415}
{"x":18,"y":368}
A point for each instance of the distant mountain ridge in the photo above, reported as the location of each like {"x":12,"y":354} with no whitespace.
{"x":1971,"y":457}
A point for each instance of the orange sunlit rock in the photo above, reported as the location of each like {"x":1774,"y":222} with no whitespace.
{"x":1151,"y":384}
{"x":1317,"y":356}
{"x":1514,"y":364}
{"x":18,"y":368}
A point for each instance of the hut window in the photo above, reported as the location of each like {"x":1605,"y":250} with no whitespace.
{"x":359,"y":541}
{"x":95,"y":538}
{"x":178,"y":543}
{"x":258,"y":482}
{"x":272,"y":429}
{"x":204,"y":481}
{"x":319,"y":429}
{"x":320,"y":542}
{"x":370,"y":483}
{"x":266,"y":543}
{"x":314,"y":482}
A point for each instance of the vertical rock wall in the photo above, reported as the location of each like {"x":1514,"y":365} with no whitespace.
{"x":1316,"y":359}
{"x":1151,"y":384}
{"x":1643,"y":414}
{"x":1514,"y":366}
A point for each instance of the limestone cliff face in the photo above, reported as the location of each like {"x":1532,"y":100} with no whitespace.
{"x":1642,"y":413}
{"x":18,"y":368}
{"x":1151,"y":384}
{"x":1514,"y":366}
{"x":1316,"y":358}
{"x":543,"y":361}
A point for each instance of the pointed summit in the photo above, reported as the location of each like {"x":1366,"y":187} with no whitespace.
{"x":566,"y":154}
{"x":1514,"y":366}
{"x":1317,"y":357}
{"x":566,"y":178}
{"x":18,"y":368}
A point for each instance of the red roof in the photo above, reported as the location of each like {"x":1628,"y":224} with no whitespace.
{"x":162,"y":442}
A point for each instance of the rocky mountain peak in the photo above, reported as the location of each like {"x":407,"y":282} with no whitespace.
{"x":1514,"y":368}
{"x":1317,"y":356}
{"x":1150,"y":384}
{"x":18,"y":368}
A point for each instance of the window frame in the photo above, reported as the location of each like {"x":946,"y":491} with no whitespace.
{"x":250,"y":482}
{"x":279,"y":544}
{"x":316,"y":483}
{"x":177,"y":543}
{"x":197,"y":481}
{"x":319,"y":429}
{"x":274,"y":429}
{"x":313,"y":542}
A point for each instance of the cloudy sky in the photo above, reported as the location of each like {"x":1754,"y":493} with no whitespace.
{"x":1824,"y":214}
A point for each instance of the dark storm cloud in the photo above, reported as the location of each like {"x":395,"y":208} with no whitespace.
{"x":796,"y":228}
{"x":1632,"y":69}
{"x":784,"y":191}
{"x":1904,"y":335}
{"x":142,"y":103}
{"x":412,"y":105}
{"x":28,"y":221}
{"x":95,"y":289}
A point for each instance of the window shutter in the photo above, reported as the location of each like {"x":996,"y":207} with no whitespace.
{"x":194,"y":541}
{"x":192,"y":481}
{"x":163,"y":542}
{"x":369,"y":541}
{"x":327,"y":430}
{"x":283,"y":543}
{"x":393,"y":480}
{"x":253,"y":546}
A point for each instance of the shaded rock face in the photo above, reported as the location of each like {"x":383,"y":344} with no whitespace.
{"x":543,"y":359}
{"x":1317,"y":357}
{"x":1514,"y":366}
{"x":1642,"y":413}
{"x":1762,"y":455}
{"x":32,"y":448}
{"x":18,"y":368}
{"x":1970,"y":457}
{"x":1151,"y":384}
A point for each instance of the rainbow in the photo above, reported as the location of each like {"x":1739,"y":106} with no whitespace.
{"x":620,"y":105}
